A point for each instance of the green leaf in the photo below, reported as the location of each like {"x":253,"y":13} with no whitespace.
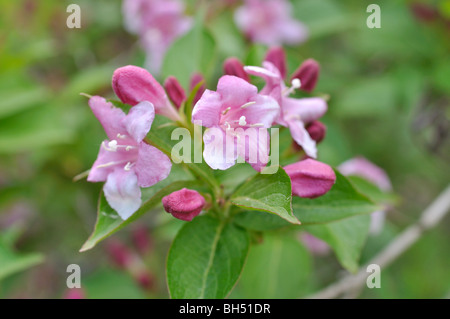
{"x":21,"y":99}
{"x":12,"y":262}
{"x":194,"y":52}
{"x":206,"y":259}
{"x":267,"y":192}
{"x":261,"y":221}
{"x":108,"y":221}
{"x":372,"y":191}
{"x":280,"y":267}
{"x":342,"y":201}
{"x":346,"y":238}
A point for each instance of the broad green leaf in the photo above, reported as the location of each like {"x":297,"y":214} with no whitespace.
{"x":21,"y":99}
{"x":206,"y":259}
{"x":108,"y":221}
{"x":12,"y":262}
{"x":372,"y":191}
{"x":279,"y":267}
{"x":267,"y":192}
{"x":194,"y":52}
{"x":342,"y":201}
{"x":234,"y":176}
{"x":260,"y":221}
{"x":346,"y":237}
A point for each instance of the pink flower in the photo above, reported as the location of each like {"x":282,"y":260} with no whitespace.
{"x":295,"y":113}
{"x":133,"y":84}
{"x":310,"y":178}
{"x":125,"y":161}
{"x":269,"y":22}
{"x":184,"y":204}
{"x":360,"y":166}
{"x":158,"y":23}
{"x":237,"y":118}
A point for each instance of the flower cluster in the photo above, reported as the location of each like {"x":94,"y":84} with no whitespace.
{"x":236,"y":116}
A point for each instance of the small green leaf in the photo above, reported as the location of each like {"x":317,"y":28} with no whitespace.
{"x":267,"y":192}
{"x":108,"y":221}
{"x":372,"y":191}
{"x":342,"y":201}
{"x":280,"y":267}
{"x":261,"y":221}
{"x":346,"y":237}
{"x":206,"y":259}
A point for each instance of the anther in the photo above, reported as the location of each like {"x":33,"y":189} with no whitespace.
{"x":226,"y":110}
{"x":242,"y":121}
{"x":248,"y":104}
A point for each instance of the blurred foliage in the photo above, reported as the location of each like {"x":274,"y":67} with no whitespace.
{"x":389,"y":101}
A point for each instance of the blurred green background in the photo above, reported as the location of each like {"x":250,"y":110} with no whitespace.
{"x":389,"y":101}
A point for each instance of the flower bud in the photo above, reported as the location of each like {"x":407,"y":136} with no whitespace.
{"x":133,"y":85}
{"x":307,"y":73}
{"x":175,"y":91}
{"x":196,"y":79}
{"x":74,"y":293}
{"x":142,"y":240}
{"x":310,"y":178}
{"x":232,"y":66}
{"x":317,"y":131}
{"x":119,"y":253}
{"x":184,"y":204}
{"x":277,"y":57}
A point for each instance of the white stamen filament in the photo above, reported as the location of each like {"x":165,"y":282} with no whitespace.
{"x":112,"y":146}
{"x":248,"y":104}
{"x":257,"y":125}
{"x":121,"y":136}
{"x":227,"y":125}
{"x":296,"y":84}
{"x":128,"y":166}
{"x":110,"y":164}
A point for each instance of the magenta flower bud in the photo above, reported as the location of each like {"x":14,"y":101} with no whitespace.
{"x":119,"y":253}
{"x":277,"y":57}
{"x":310,"y":178}
{"x":74,"y":293}
{"x":233,"y":66}
{"x":184,"y":204}
{"x":317,"y":131}
{"x":196,"y":79}
{"x":424,"y":12}
{"x":133,"y":85}
{"x":145,"y":279}
{"x":142,"y":240}
{"x":175,"y":91}
{"x":307,"y":73}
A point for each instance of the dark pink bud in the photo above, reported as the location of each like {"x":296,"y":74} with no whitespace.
{"x":142,"y":239}
{"x":277,"y":57}
{"x":175,"y":91}
{"x":74,"y":293}
{"x":196,"y":79}
{"x":133,"y":85}
{"x":184,"y":204}
{"x":424,"y":12}
{"x":119,"y":253}
{"x":310,"y":178}
{"x":233,"y":66}
{"x":307,"y":73}
{"x":145,"y":280}
{"x":317,"y":131}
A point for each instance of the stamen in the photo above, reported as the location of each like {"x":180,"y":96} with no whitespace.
{"x":248,"y":104}
{"x":111,"y":146}
{"x":257,"y":125}
{"x":226,"y":110}
{"x":121,"y":136}
{"x":110,"y":164}
{"x":227,"y":125}
{"x":242,"y":121}
{"x":296,"y":84}
{"x":128,"y":166}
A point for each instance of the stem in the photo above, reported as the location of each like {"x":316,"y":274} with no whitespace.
{"x":432,"y":215}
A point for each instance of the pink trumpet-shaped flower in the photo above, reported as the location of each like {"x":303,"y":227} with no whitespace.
{"x":237,"y":118}
{"x":269,"y":22}
{"x":125,"y":161}
{"x":133,"y":84}
{"x":158,"y":23}
{"x":310,"y":178}
{"x":295,"y":113}
{"x":184,"y":204}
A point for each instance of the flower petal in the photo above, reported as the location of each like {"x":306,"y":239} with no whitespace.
{"x":302,"y":138}
{"x":110,"y":117}
{"x":306,"y":109}
{"x":220,"y":149}
{"x":105,"y":164}
{"x":151,"y":166}
{"x":253,"y":145}
{"x":139,"y":120}
{"x":207,"y":109}
{"x":235,"y":91}
{"x":123,"y":193}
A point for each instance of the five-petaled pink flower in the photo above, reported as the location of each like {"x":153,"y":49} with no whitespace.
{"x":295,"y":113}
{"x":237,"y":118}
{"x":269,"y":22}
{"x":158,"y":23}
{"x":125,"y":161}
